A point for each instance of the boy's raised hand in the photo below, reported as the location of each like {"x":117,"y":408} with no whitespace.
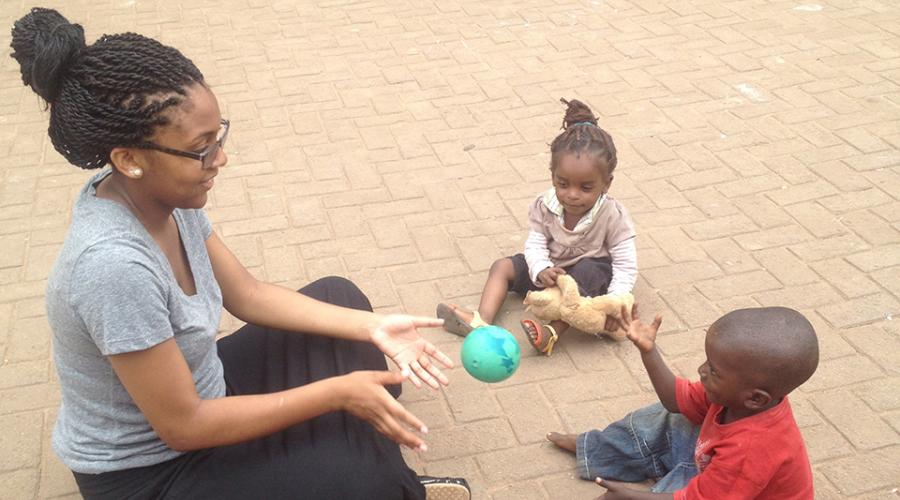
{"x":643,"y":336}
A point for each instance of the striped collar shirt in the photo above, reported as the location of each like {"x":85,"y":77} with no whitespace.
{"x":552,"y":203}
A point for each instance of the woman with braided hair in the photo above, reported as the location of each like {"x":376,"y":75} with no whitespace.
{"x":576,"y":228}
{"x":152,"y":405}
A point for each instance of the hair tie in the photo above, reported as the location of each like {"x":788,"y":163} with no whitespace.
{"x":584,"y":123}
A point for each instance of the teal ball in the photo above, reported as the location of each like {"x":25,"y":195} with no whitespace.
{"x":490,"y":354}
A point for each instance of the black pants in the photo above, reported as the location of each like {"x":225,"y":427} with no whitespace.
{"x":332,"y":456}
{"x":592,"y":274}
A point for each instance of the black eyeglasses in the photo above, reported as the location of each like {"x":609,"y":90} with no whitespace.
{"x":206,"y":157}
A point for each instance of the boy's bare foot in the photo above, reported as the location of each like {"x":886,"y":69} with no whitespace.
{"x":564,"y":441}
{"x":456,"y":319}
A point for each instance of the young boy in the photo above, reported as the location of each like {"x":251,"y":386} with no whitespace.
{"x":732,"y":435}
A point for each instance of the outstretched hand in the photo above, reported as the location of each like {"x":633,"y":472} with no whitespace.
{"x":643,"y":336}
{"x":397,"y":336}
{"x":362,"y":394}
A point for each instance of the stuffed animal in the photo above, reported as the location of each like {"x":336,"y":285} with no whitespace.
{"x":587,"y":314}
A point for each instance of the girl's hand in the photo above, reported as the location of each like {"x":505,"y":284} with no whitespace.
{"x":548,"y":276}
{"x":363,"y":394}
{"x":398,"y":337}
{"x":643,"y":336}
{"x":612,"y":324}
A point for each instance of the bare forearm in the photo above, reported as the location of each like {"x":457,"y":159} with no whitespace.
{"x":662,"y":378}
{"x":278,"y":307}
{"x":274,"y":306}
{"x":229,"y":420}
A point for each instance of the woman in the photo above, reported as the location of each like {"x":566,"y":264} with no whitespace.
{"x":152,"y":406}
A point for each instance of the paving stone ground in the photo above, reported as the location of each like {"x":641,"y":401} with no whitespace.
{"x":399,"y":143}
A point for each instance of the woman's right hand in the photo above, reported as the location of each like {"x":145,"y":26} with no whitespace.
{"x":363,"y":395}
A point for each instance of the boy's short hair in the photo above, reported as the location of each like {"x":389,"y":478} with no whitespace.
{"x":778,"y":343}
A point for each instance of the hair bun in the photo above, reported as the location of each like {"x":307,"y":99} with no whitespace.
{"x":45,"y":44}
{"x":577,"y":112}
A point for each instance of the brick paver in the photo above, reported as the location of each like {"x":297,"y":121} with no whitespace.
{"x":399,"y":144}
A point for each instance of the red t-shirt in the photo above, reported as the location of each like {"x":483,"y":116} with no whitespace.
{"x":762,"y":456}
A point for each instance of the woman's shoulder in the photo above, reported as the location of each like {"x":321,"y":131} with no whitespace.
{"x":101,"y":243}
{"x":101,"y":231}
{"x":110,"y":268}
{"x":119,"y":263}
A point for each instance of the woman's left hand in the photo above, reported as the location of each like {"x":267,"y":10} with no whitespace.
{"x":398,"y":337}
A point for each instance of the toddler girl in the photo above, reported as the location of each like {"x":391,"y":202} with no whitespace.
{"x":575,"y":228}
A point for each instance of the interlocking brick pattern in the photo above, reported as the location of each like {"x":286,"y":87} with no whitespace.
{"x":399,"y":144}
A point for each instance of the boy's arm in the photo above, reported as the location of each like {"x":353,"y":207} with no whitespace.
{"x":644,"y":338}
{"x":618,"y":491}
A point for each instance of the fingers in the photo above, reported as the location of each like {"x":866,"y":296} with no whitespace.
{"x":543,"y":277}
{"x":372,"y":402}
{"x":426,"y":322}
{"x":413,"y":376}
{"x":606,"y":484}
{"x":626,"y":318}
{"x":555,"y":273}
{"x":423,"y":370}
{"x":657,"y":321}
{"x":407,"y":417}
{"x":394,"y":423}
{"x":612,"y":324}
{"x":419,"y":369}
{"x":608,"y":324}
{"x":634,"y":311}
{"x":434,"y":371}
{"x":436,"y":353}
{"x":548,"y":276}
{"x":392,"y":378}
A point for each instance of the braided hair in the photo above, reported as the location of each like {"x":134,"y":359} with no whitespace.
{"x":106,"y":95}
{"x":582,"y":135}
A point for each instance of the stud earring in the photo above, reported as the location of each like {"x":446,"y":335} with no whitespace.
{"x":137,"y":173}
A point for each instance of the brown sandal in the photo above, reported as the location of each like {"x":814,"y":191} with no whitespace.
{"x":541,"y":341}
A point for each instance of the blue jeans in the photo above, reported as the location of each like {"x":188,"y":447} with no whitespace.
{"x":648,"y":443}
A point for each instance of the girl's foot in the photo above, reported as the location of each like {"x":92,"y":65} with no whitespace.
{"x":457,"y":321}
{"x":564,"y":441}
{"x":542,"y":338}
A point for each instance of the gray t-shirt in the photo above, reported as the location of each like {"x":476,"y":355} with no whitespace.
{"x":112,"y":291}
